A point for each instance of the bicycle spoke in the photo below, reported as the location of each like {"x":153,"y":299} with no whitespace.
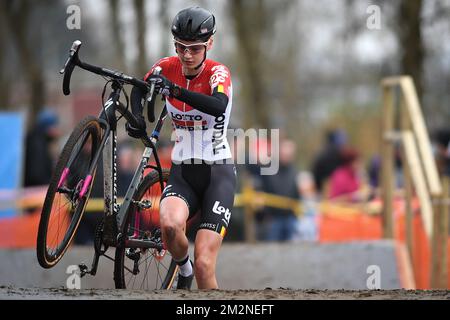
{"x":59,"y":224}
{"x":58,"y":215}
{"x":145,"y":264}
{"x":134,"y":280}
{"x":145,"y":276}
{"x":159,"y":274}
{"x":146,"y":280}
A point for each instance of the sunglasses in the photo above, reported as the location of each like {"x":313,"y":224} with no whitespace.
{"x":191,"y":48}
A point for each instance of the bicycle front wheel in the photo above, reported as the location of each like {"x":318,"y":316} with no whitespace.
{"x":68,"y":192}
{"x":144,"y":268}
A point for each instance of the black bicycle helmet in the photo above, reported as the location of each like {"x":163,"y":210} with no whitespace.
{"x":194,"y":24}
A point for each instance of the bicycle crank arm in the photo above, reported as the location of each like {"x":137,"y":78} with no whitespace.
{"x":84,"y":270}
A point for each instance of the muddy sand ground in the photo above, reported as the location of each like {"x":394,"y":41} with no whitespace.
{"x":10,"y":292}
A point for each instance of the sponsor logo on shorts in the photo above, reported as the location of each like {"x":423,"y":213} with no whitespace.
{"x":207,"y":225}
{"x":218,"y":209}
{"x":175,"y":194}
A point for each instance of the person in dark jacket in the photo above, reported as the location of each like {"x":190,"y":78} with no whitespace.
{"x":329,"y":158}
{"x":39,"y":163}
{"x":278,"y":224}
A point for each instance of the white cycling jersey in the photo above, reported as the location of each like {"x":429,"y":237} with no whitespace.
{"x":198,"y":135}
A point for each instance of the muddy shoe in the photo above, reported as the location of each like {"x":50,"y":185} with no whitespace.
{"x":185,"y":283}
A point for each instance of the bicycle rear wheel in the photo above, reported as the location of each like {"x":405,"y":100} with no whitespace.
{"x":68,"y":193}
{"x":140,"y":268}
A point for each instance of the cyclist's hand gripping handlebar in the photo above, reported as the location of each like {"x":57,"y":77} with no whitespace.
{"x":70,"y":65}
{"x":152,"y":97}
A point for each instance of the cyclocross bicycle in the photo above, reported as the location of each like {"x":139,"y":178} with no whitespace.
{"x":132,"y":227}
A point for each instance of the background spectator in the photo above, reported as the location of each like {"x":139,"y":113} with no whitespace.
{"x":275,"y":224}
{"x":345,"y":181}
{"x":308,"y":223}
{"x":39,"y":162}
{"x":329,"y":158}
{"x":442,"y":150}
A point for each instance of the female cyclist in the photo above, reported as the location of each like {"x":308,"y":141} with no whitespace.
{"x":198,"y":96}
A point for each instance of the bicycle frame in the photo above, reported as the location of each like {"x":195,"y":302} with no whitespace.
{"x":109,"y":147}
{"x":115,"y":215}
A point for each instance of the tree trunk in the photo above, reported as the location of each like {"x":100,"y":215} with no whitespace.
{"x":17,"y":15}
{"x":411,"y":41}
{"x":117,"y":35}
{"x":4,"y":81}
{"x":166,"y":23}
{"x":141,"y":63}
{"x":248,"y":18}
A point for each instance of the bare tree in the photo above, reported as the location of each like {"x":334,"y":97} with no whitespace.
{"x":409,"y":34}
{"x":266,"y":65}
{"x":141,"y":62}
{"x":250,"y":24}
{"x":164,"y":17}
{"x":117,"y":35}
{"x":4,"y":81}
{"x":17,"y":14}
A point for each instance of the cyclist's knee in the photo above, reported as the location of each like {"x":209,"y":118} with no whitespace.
{"x":171,"y":225}
{"x":171,"y":228}
{"x":204,"y":267}
{"x":173,"y":209}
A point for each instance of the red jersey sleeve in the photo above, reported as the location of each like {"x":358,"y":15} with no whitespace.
{"x":220,"y":79}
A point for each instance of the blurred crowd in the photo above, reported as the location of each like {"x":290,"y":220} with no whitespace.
{"x":337,"y":173}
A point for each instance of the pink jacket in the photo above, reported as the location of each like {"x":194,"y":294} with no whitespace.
{"x":344,"y":180}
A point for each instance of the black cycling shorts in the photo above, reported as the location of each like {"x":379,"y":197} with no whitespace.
{"x":206,"y":187}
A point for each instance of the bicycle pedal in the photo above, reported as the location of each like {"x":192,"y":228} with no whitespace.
{"x":83,"y":269}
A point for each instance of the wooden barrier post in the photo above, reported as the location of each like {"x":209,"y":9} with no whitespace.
{"x":422,"y":172}
{"x":439,"y":245}
{"x":406,"y":126}
{"x":421,"y":134}
{"x":443,"y":235}
{"x":387,"y":164}
{"x":435,"y":250}
{"x":418,"y":178}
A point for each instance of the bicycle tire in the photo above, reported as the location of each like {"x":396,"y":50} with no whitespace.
{"x":149,"y":188}
{"x":71,"y":169}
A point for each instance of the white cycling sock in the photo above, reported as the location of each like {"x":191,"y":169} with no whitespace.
{"x":185,"y":266}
